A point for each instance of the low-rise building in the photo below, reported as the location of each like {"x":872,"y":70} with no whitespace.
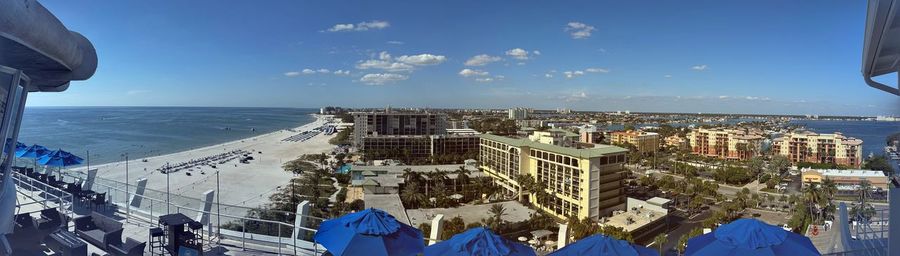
{"x":559,"y":137}
{"x":806,"y":146}
{"x":643,"y":219}
{"x":644,"y":142}
{"x":677,"y":142}
{"x":725,"y":143}
{"x":847,"y":181}
{"x":581,"y":182}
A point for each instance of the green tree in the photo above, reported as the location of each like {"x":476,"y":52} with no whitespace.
{"x":660,"y":240}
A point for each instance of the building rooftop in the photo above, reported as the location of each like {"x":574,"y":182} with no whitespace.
{"x":599,"y":150}
{"x":846,"y":173}
{"x":634,"y":218}
{"x":515,"y":212}
{"x":390,"y":203}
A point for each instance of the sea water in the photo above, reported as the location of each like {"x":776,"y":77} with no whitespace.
{"x":109,"y":132}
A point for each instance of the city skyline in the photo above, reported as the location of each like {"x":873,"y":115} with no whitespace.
{"x":767,"y":58}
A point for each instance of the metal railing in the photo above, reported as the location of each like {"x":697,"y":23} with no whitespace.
{"x":259,"y":234}
{"x":45,"y":194}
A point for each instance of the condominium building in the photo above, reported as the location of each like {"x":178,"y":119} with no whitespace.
{"x":677,"y":142}
{"x":413,"y":147}
{"x":806,"y":146}
{"x":847,"y":181}
{"x":369,"y":124}
{"x":733,"y":144}
{"x":518,"y":113}
{"x":644,"y":142}
{"x":581,"y":182}
{"x":592,"y":137}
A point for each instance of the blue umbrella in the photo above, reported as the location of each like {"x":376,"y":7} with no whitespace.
{"x":34,"y":151}
{"x":20,"y":147}
{"x":60,"y":158}
{"x":370,"y":232}
{"x":603,"y":245}
{"x":750,"y":237}
{"x":476,"y":242}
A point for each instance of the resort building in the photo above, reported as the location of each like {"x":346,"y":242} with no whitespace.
{"x":373,"y":124}
{"x":810,"y":147}
{"x":411,"y":147}
{"x":732,"y":144}
{"x":644,"y":142}
{"x":518,"y":113}
{"x":582,"y":182}
{"x":846,"y":180}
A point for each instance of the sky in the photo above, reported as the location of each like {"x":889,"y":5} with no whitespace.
{"x":766,"y":57}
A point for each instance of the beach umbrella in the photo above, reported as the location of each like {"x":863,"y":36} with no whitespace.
{"x":20,"y":147}
{"x":369,"y":232}
{"x":750,"y":237}
{"x":60,"y":158}
{"x":478,"y":241}
{"x":603,"y":245}
{"x":34,"y":152}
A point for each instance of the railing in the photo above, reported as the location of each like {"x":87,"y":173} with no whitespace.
{"x":44,"y":191}
{"x":260,"y":234}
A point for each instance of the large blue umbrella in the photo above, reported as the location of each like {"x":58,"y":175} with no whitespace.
{"x":477,"y":242}
{"x":60,"y":158}
{"x":603,"y":245}
{"x":34,"y":151}
{"x":370,"y":232}
{"x":20,"y":147}
{"x":750,"y":237}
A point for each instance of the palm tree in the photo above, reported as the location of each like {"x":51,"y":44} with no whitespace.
{"x":462,"y":177}
{"x":812,"y":196}
{"x":495,"y":222}
{"x":660,"y":240}
{"x":411,"y":195}
{"x":524,"y":181}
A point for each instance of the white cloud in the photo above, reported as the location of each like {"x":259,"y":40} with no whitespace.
{"x":362,"y":26}
{"x":402,"y":63}
{"x":472,"y":72}
{"x":572,"y":74}
{"x":723,"y":97}
{"x":342,"y":72}
{"x":136,"y":92}
{"x":596,"y":70}
{"x":424,"y":59}
{"x":482,"y":59}
{"x":291,"y":74}
{"x":322,"y":70}
{"x":385,"y":65}
{"x":579,"y":30}
{"x":667,"y":76}
{"x":382,"y":78}
{"x":699,"y":67}
{"x":395,"y":42}
{"x":548,"y":75}
{"x":536,"y":52}
{"x":518,"y":53}
{"x":484,"y":79}
{"x":307,"y":71}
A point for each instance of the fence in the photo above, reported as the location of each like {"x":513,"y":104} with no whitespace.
{"x":225,"y":221}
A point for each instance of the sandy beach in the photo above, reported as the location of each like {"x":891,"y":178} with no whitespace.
{"x":241,"y":184}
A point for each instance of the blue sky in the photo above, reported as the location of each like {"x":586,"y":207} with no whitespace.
{"x":796,"y":57}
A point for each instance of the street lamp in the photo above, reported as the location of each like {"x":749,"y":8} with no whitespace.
{"x":127,"y":193}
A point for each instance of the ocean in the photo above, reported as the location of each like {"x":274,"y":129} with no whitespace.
{"x":108,"y":132}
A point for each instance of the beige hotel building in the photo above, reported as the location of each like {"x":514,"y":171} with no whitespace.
{"x":806,"y":146}
{"x":733,"y":144}
{"x":582,"y":182}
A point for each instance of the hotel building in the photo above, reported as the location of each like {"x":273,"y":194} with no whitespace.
{"x":645,"y":142}
{"x":732,"y":144}
{"x":582,"y":182}
{"x":805,"y":146}
{"x":373,"y":124}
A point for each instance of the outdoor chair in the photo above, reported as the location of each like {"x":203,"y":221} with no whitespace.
{"x":98,"y":200}
{"x":99,"y":230}
{"x":156,"y":240}
{"x":50,"y":219}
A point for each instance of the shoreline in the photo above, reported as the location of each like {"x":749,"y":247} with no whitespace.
{"x":246,"y":184}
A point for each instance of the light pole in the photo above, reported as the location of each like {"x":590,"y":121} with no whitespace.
{"x":167,"y":189}
{"x":218,"y":210}
{"x":127,"y":194}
